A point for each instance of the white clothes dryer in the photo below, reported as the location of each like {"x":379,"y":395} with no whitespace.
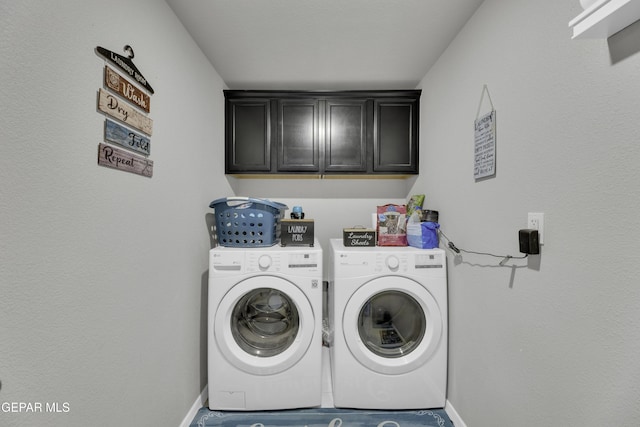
{"x":265,"y":328}
{"x":388,"y":315}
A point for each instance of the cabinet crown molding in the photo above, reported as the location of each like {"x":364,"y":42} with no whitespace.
{"x":321,"y":94}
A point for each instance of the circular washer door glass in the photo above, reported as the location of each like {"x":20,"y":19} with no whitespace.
{"x":391,"y":324}
{"x":265,"y":322}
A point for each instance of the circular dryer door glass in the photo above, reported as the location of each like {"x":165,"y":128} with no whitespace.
{"x":265,"y":322}
{"x":391,"y":324}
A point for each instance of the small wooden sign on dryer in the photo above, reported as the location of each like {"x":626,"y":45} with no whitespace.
{"x":297,"y":232}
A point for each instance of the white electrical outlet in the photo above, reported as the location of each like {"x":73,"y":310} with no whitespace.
{"x":535,"y":221}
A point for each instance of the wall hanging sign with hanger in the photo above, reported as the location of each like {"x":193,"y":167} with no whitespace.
{"x":485,"y":141}
{"x":125,"y":64}
{"x":128,"y":103}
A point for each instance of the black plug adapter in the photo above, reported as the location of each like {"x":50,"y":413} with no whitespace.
{"x":529,"y":243}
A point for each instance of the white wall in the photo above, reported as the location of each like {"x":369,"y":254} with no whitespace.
{"x":103,"y":273}
{"x":552,"y":340}
{"x":332,"y":203}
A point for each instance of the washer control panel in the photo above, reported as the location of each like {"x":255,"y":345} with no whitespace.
{"x":303,"y":261}
{"x":354,"y":262}
{"x":264,"y":262}
{"x":274,"y":260}
{"x":430,"y":260}
{"x":392,"y":262}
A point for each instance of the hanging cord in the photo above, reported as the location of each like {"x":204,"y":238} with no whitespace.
{"x":485,"y":89}
{"x":457,"y":250}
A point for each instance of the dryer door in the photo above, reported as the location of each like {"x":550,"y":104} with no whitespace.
{"x":392,"y":325}
{"x":264,"y":325}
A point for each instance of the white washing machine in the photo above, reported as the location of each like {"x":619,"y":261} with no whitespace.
{"x":265,"y":328}
{"x":388,"y":315}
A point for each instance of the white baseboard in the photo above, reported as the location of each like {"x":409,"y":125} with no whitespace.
{"x":199,"y":403}
{"x":453,"y":415}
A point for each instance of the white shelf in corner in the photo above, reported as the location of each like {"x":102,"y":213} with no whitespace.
{"x":604,"y":18}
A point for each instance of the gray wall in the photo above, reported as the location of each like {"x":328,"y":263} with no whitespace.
{"x":102,"y":272}
{"x":553,"y":340}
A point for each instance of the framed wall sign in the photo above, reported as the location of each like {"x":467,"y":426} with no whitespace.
{"x":485,"y":146}
{"x":484,"y":164}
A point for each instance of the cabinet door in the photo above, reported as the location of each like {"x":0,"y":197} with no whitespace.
{"x":248,"y":135}
{"x":395,"y":136}
{"x":297,"y":136}
{"x":345,"y":135}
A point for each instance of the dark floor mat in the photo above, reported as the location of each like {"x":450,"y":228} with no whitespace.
{"x":322,"y":417}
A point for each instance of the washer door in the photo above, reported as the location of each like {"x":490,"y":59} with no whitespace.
{"x":264,"y":325}
{"x":392,"y":325}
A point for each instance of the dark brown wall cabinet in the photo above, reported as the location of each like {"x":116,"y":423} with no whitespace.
{"x":346,"y":132}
